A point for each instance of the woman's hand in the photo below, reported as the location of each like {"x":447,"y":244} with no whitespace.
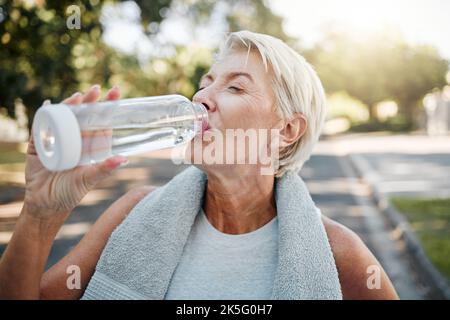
{"x":50,"y":194}
{"x":49,"y":199}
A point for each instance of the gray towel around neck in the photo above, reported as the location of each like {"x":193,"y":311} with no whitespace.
{"x":143,"y":252}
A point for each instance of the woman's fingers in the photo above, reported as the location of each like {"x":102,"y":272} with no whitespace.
{"x":97,"y":172}
{"x":76,"y":98}
{"x":113,"y":93}
{"x":92,"y":95}
{"x":31,"y":148}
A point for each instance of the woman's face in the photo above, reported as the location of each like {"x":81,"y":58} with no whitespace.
{"x":238,"y":95}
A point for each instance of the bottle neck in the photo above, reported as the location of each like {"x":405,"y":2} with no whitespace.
{"x":201,"y":114}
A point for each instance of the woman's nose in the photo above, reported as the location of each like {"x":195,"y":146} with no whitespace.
{"x":204,"y":98}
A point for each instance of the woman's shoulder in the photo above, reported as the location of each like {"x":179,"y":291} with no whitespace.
{"x":355,"y":264}
{"x":341,"y":238}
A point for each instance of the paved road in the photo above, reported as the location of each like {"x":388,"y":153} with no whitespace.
{"x":403,"y":174}
{"x":341,"y":196}
{"x":403,"y":165}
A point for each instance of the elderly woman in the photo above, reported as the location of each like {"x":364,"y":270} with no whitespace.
{"x":215,"y":231}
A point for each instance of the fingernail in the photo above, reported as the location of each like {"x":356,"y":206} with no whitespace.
{"x":116,"y":162}
{"x":46,"y":101}
{"x":125,"y":162}
{"x":114,"y":89}
{"x":76,"y":94}
{"x":96,"y":87}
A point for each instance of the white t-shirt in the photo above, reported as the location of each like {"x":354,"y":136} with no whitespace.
{"x":216,"y":265}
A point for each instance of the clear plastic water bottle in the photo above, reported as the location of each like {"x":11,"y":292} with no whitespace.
{"x":69,"y":136}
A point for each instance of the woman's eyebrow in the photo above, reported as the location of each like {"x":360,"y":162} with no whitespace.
{"x":233,"y":75}
{"x":206,"y":77}
{"x":228,"y":76}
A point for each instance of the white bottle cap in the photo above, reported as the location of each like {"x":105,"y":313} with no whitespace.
{"x":57,"y":137}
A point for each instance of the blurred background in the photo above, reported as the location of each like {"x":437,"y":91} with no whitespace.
{"x":382,"y":166}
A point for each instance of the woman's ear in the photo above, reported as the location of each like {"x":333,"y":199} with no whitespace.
{"x":293,"y":129}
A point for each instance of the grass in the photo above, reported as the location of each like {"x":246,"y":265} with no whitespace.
{"x":430,"y":220}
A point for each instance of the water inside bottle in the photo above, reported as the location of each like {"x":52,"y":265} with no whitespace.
{"x":99,"y":144}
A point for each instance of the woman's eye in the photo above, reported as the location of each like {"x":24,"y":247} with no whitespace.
{"x":235,"y":89}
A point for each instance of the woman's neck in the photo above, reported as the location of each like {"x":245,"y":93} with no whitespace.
{"x":239,"y":204}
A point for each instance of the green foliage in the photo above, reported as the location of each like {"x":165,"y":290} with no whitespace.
{"x":415,"y":72}
{"x":41,"y":58}
{"x":152,"y":11}
{"x":38,"y":56}
{"x":254,"y":15}
{"x":395,"y":124}
{"x":382,"y":66}
{"x":340,"y":104}
{"x":179,"y":73}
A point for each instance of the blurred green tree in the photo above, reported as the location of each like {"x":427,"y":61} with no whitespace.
{"x":255,"y":15}
{"x":415,"y":71}
{"x":380,"y":66}
{"x":41,"y":58}
{"x":348,"y":65}
{"x":38,"y":49}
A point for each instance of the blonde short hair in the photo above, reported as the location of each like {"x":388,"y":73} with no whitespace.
{"x":296,"y":86}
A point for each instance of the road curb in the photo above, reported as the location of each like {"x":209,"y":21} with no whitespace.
{"x":398,"y":221}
